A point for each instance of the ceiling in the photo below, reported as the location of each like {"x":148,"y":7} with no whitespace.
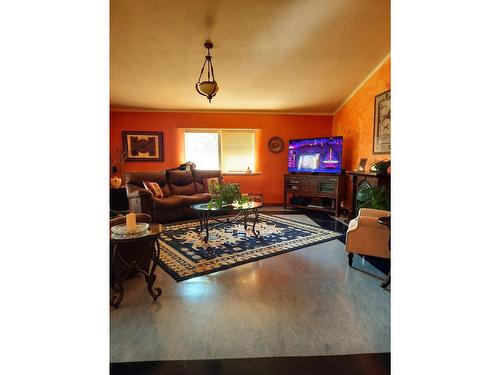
{"x":293,"y":56}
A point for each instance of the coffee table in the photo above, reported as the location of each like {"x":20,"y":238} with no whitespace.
{"x":135,"y":254}
{"x":241,"y":213}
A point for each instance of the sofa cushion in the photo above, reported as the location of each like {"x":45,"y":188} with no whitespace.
{"x":183,"y":190}
{"x":166,"y":190}
{"x":181,"y":182}
{"x":178,"y":177}
{"x":169,"y":203}
{"x":209,"y":183}
{"x":199,"y":187}
{"x":196,"y":198}
{"x":154,"y":188}
{"x":200,"y":176}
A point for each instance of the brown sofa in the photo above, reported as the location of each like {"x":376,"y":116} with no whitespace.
{"x":181,"y":189}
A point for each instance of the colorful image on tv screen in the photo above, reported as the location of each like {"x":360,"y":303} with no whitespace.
{"x":315,"y":155}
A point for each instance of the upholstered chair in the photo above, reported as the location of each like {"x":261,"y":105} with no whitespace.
{"x":366,"y":236}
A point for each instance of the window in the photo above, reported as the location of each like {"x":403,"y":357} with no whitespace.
{"x":202,"y":149}
{"x":231,"y":151}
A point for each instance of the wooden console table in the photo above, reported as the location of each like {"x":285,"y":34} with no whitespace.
{"x":362,"y":178}
{"x":324,"y":191}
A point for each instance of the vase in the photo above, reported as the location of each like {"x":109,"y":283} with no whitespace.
{"x":116,"y":182}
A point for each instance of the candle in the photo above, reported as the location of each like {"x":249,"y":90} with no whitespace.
{"x":131,"y":225}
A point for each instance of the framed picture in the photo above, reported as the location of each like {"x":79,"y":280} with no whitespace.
{"x":362,"y":164}
{"x":143,"y":146}
{"x":382,"y":124}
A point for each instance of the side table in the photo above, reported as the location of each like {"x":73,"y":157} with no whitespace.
{"x":386,"y":220}
{"x":118,"y":200}
{"x":135,"y":254}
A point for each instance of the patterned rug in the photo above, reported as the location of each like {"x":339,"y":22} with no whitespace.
{"x":184,"y":254}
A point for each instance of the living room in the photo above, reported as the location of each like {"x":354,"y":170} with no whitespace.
{"x":215,"y":195}
{"x":291,"y":162}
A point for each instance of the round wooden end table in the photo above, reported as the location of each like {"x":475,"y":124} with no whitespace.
{"x":135,"y":254}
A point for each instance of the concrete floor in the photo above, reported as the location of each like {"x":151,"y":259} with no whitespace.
{"x":303,"y":303}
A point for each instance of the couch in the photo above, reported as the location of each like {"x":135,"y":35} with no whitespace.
{"x":180,"y":188}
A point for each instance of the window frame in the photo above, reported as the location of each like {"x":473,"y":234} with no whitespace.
{"x":219,"y":141}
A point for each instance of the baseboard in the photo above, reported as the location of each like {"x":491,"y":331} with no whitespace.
{"x":350,"y":364}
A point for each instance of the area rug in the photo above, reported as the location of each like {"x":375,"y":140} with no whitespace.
{"x":184,"y":253}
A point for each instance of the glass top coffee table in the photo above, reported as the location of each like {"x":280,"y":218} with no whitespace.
{"x":241,"y":213}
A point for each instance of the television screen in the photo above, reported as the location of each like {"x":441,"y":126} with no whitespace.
{"x":323,"y":155}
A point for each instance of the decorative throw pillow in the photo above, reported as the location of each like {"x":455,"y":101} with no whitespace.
{"x":209,"y":183}
{"x":154,"y":188}
{"x":256,"y":197}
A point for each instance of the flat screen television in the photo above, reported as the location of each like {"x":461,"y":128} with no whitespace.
{"x":317,"y":155}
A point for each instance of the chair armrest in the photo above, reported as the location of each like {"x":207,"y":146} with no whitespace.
{"x":368,"y":221}
{"x":141,"y":201}
{"x":372,"y":212}
{"x":140,"y":193}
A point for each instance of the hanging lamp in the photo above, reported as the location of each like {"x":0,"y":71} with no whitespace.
{"x":209,"y":87}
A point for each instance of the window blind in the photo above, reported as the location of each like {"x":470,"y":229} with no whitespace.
{"x":237,"y":150}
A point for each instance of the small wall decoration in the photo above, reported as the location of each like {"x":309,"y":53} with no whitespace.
{"x":143,"y":146}
{"x":362,"y":164}
{"x":382,"y":124}
{"x":275,"y":144}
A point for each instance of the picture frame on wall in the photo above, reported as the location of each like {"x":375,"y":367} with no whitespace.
{"x":382,"y":124}
{"x":143,"y":145}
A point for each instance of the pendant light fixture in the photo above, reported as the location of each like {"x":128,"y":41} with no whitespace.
{"x":209,"y":87}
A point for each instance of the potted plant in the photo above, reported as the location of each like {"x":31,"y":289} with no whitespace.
{"x":224,"y":195}
{"x":375,"y":197}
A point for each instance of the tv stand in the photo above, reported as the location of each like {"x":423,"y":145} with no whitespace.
{"x":321,"y":192}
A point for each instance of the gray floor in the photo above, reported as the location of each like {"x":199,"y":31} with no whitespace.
{"x":307,"y":302}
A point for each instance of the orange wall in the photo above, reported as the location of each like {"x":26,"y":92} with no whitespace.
{"x":354,"y":121}
{"x":273,"y":166}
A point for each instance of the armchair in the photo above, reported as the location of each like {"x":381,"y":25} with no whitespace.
{"x":366,"y":236}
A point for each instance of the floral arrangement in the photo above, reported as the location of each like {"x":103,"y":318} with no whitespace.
{"x":226,"y":195}
{"x":119,"y":156}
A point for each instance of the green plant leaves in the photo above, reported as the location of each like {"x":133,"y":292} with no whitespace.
{"x":226,"y":194}
{"x":375,"y":197}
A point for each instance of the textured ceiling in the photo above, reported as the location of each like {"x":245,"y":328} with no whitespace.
{"x":301,"y":56}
